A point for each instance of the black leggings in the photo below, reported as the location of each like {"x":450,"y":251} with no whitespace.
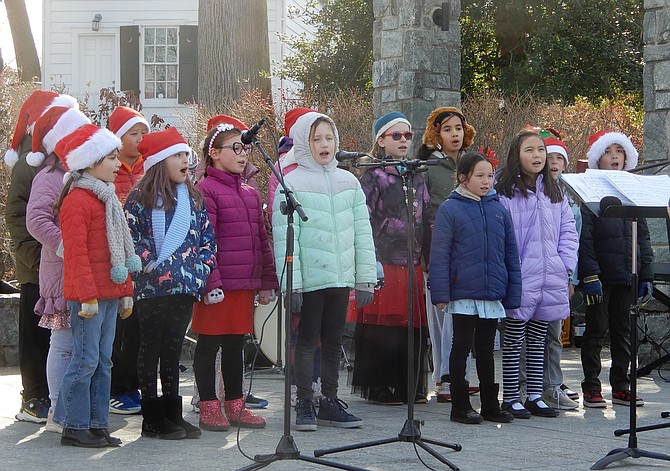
{"x":469,"y":328}
{"x":163,"y":323}
{"x":232,"y":367}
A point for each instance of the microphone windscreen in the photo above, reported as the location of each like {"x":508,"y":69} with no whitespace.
{"x":608,"y":201}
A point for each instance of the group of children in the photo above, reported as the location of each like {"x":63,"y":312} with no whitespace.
{"x":504,"y":244}
{"x":118,"y":229}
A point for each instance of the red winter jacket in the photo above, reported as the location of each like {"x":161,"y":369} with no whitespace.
{"x":127,"y":177}
{"x":244,"y":257}
{"x":86,"y":258}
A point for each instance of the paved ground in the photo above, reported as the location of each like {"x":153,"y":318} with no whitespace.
{"x":574,"y":441}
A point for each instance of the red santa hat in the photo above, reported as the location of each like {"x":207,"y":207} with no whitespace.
{"x":124,"y":118}
{"x":158,"y":146}
{"x":555,"y":145}
{"x":51,"y":127}
{"x":34,"y":107}
{"x":225,"y":119}
{"x":292,"y":115}
{"x":600,"y":141}
{"x":86,"y":146}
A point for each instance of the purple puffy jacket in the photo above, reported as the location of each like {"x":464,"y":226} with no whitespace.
{"x":547,"y":240}
{"x":244,"y":257}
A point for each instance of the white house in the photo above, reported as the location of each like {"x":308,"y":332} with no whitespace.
{"x":144,"y":45}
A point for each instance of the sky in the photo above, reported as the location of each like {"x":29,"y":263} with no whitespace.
{"x":34,"y":8}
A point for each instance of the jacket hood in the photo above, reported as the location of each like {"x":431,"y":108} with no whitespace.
{"x":301,"y":151}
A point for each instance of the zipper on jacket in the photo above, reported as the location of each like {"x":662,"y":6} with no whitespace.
{"x":486,"y":247}
{"x":332,"y":216}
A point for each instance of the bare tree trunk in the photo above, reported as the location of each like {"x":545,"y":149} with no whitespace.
{"x":27,"y":61}
{"x":233,"y":50}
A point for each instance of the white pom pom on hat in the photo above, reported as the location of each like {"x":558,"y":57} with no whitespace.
{"x":34,"y":107}
{"x":56,"y":123}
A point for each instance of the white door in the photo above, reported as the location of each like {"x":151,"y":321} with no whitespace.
{"x":98,"y":66}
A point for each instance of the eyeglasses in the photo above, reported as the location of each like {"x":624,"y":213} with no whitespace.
{"x":396,"y":136}
{"x":238,"y":147}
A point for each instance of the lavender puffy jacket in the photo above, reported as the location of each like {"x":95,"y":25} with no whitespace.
{"x":44,"y":226}
{"x":547,"y":241}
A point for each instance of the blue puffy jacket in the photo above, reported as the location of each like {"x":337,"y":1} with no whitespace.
{"x":473,"y":253}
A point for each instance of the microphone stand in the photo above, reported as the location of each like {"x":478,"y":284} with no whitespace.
{"x":411,"y":431}
{"x":632,"y":451}
{"x":286,"y":448}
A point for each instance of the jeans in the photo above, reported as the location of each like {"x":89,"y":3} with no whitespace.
{"x":83,"y":401}
{"x":323,"y":315}
{"x":60,"y":354}
{"x":33,"y":345}
{"x":553,"y":376}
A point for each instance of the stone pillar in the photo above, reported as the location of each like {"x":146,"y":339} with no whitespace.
{"x":656,"y":80}
{"x":417,"y":66}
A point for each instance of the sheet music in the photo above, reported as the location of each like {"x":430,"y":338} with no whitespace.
{"x":642,"y":190}
{"x":631,"y":189}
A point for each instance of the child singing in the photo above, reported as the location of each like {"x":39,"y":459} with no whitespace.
{"x":547,"y":241}
{"x":334,"y":252}
{"x":245,"y":267}
{"x":474,"y":275}
{"x":97,"y":258}
{"x":175,"y":240}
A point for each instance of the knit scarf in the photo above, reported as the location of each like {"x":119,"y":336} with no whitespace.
{"x":168,"y":241}
{"x":121,"y":248}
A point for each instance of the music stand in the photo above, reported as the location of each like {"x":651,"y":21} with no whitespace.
{"x":632,"y":450}
{"x":411,"y":431}
{"x":286,"y":448}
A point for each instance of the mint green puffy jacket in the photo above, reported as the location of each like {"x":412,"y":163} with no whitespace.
{"x":334,"y":247}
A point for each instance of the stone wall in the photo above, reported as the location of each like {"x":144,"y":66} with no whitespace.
{"x":9,"y":330}
{"x":656,"y":80}
{"x":417,"y":66}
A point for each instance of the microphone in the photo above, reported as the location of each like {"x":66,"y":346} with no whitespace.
{"x":343,"y":156}
{"x":609,"y":201}
{"x":248,"y":137}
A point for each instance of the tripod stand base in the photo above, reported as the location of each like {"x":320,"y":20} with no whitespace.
{"x":411,"y":432}
{"x":621,"y":453}
{"x":287,"y":450}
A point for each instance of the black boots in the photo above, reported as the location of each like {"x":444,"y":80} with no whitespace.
{"x":490,"y":406}
{"x":156,"y":424}
{"x":81,"y":438}
{"x":461,"y":409}
{"x":174,"y":413}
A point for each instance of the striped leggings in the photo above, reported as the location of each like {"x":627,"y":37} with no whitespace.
{"x":534,"y":332}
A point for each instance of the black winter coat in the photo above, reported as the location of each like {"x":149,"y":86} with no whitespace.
{"x":605,"y":249}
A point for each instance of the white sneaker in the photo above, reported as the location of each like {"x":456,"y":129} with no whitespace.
{"x":444,"y":393}
{"x":52,"y":426}
{"x":316,"y":389}
{"x":558,"y":399}
{"x":294,"y":395}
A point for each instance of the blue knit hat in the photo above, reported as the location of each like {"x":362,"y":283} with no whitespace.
{"x":387,"y":121}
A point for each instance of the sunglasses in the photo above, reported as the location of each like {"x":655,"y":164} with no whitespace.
{"x":238,"y":147}
{"x":396,"y":136}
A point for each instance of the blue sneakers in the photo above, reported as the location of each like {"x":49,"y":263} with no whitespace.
{"x":254,"y":402}
{"x":333,"y":413}
{"x":33,"y":410}
{"x":122,"y":404}
{"x":305,"y":415}
{"x":135,"y":396}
